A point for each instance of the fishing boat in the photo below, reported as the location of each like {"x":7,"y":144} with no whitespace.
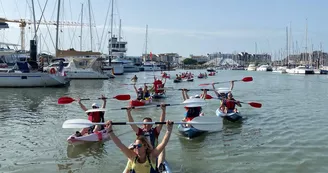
{"x":93,"y":137}
{"x":140,"y":102}
{"x":190,"y":132}
{"x":233,"y":117}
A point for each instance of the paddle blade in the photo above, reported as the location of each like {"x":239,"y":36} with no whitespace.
{"x":77,"y":123}
{"x":123,"y":97}
{"x":247,"y":79}
{"x":95,"y":110}
{"x":255,"y":104}
{"x":204,"y":84}
{"x":65,"y":100}
{"x":207,"y":123}
{"x":208,"y":97}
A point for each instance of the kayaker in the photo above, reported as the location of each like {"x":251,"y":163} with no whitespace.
{"x":140,"y":92}
{"x":95,"y":117}
{"x":142,"y":159}
{"x":147,"y":130}
{"x":146,"y":92}
{"x":229,"y":104}
{"x":223,"y":95}
{"x":135,"y":78}
{"x":192,"y":112}
{"x":158,"y":85}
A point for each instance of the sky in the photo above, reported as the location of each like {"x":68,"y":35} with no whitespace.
{"x":180,"y":26}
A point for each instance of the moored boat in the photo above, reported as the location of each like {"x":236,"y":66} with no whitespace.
{"x":190,"y":132}
{"x":93,"y":137}
{"x":140,"y":102}
{"x":233,"y":117}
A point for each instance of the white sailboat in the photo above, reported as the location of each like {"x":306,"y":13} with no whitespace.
{"x":24,"y":75}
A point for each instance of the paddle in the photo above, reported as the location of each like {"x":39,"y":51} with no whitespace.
{"x":253,"y":104}
{"x":245,"y":79}
{"x":210,"y":123}
{"x":67,"y":100}
{"x":207,"y":96}
{"x":190,"y":104}
{"x":135,"y":83}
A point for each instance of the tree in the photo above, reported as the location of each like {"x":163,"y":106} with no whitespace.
{"x":189,"y":61}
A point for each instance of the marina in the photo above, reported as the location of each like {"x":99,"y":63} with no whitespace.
{"x":100,"y":87}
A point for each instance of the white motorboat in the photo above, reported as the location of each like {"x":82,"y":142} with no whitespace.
{"x":300,"y":70}
{"x":280,"y":70}
{"x":22,"y":76}
{"x":264,"y":68}
{"x":251,"y":67}
{"x":81,"y":68}
{"x":151,"y":66}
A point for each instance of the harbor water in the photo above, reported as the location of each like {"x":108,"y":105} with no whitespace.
{"x":288,"y":134}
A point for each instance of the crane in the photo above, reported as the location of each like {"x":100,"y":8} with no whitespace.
{"x":24,"y":22}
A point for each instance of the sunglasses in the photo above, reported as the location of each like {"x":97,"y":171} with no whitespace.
{"x":137,"y":145}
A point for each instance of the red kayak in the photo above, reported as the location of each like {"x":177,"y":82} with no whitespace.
{"x":136,"y":103}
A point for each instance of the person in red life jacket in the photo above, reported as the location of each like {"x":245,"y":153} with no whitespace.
{"x":223,"y":95}
{"x":229,"y":104}
{"x":143,"y":157}
{"x":159,"y":85}
{"x":192,"y":112}
{"x":147,"y":130}
{"x":95,"y":117}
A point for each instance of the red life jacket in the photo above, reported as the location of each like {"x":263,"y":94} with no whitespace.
{"x":94,"y":117}
{"x":230,"y":104}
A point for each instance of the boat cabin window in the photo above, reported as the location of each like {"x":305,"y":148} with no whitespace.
{"x":57,"y":65}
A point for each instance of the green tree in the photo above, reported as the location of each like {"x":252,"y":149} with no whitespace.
{"x":189,"y":61}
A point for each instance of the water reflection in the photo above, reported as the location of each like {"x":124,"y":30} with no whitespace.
{"x":94,"y":149}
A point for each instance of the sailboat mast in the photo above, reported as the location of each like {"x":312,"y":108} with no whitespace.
{"x":306,"y":39}
{"x":90,"y":23}
{"x":111,"y":33}
{"x":287,"y":53}
{"x":34,"y":38}
{"x":81,"y":27}
{"x":146,"y":51}
{"x":119,"y":32}
{"x":57,"y":27}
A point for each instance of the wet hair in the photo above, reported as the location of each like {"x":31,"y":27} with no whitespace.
{"x":194,"y":111}
{"x":147,"y":118}
{"x":145,"y":143}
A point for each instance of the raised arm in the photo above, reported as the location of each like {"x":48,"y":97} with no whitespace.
{"x":183,"y":94}
{"x":135,"y":88}
{"x":216,"y":93}
{"x":104,"y":101}
{"x":162,"y":118}
{"x":160,"y":147}
{"x":128,"y":153}
{"x":232,"y":85}
{"x":130,"y":119}
{"x":81,"y":105}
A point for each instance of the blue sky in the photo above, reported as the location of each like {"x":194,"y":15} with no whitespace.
{"x":185,"y":26}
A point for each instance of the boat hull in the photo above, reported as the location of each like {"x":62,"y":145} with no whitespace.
{"x":233,"y":117}
{"x":158,"y":96}
{"x":93,"y":137}
{"x":190,"y":132}
{"x":33,"y":79}
{"x":140,"y":102}
{"x":176,"y":81}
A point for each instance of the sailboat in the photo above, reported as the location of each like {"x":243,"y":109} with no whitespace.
{"x":26,"y":74}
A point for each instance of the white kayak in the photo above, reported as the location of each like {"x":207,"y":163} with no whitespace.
{"x":93,"y":137}
{"x":167,"y":168}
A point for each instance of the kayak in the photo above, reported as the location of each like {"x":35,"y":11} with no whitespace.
{"x":189,"y":132}
{"x":233,"y":117}
{"x":211,"y":74}
{"x":177,"y":81}
{"x":93,"y":137}
{"x":190,"y":80}
{"x":166,"y":167}
{"x":140,"y":102}
{"x":200,"y":76}
{"x":158,"y":96}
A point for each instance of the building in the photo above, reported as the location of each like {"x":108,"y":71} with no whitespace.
{"x":200,"y":59}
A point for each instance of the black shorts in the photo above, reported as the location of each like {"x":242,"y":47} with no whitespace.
{"x":91,"y":128}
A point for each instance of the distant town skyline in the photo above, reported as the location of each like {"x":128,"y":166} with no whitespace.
{"x":184,"y":27}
